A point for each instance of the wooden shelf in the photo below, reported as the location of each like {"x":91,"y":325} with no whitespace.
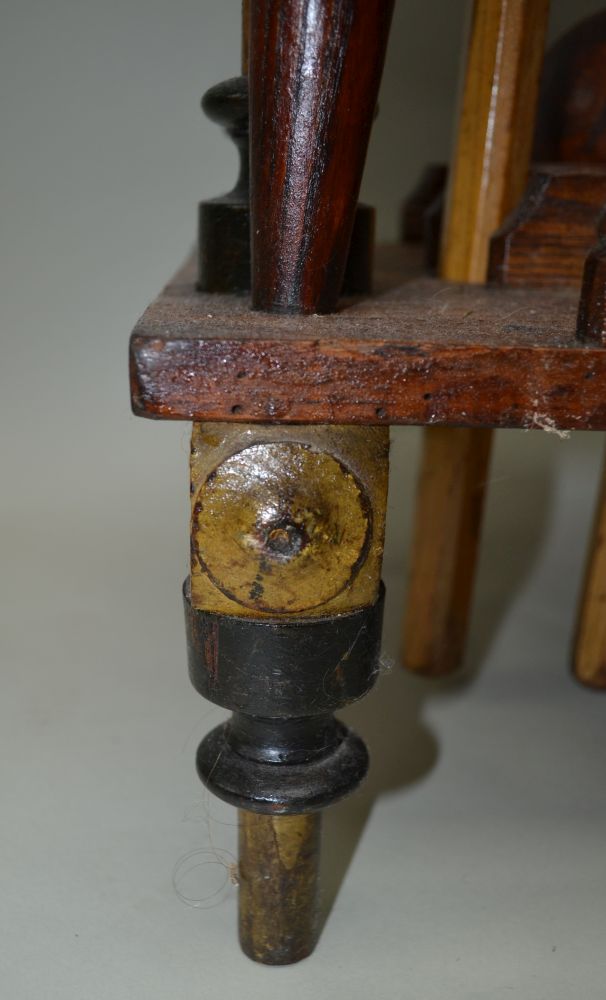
{"x":418,"y":351}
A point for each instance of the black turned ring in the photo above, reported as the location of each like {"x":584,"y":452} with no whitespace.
{"x":283,"y":668}
{"x":274,"y":788}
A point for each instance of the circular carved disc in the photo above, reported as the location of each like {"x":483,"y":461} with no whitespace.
{"x":280,"y":527}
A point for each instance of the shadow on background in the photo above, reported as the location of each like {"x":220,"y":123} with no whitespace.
{"x":403,"y":747}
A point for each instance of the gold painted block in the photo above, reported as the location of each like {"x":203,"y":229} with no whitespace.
{"x":287,"y":520}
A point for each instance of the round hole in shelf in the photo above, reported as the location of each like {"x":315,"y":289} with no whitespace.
{"x":236,"y":409}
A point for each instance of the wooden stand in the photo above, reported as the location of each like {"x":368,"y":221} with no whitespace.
{"x":291,"y":390}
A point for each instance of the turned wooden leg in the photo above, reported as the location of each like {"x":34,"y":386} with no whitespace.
{"x":284,"y":603}
{"x":487,"y":177}
{"x":284,"y":607}
{"x":283,"y":611}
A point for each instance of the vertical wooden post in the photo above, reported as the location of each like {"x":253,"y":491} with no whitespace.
{"x":314,"y":76}
{"x":496,"y":127}
{"x":487,"y":177}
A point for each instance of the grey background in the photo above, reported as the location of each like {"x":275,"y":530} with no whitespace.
{"x":477,"y":845}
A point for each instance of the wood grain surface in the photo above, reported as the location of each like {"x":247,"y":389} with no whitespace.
{"x":546,"y":239}
{"x":314,"y":76}
{"x":421,"y":351}
{"x":495,"y":129}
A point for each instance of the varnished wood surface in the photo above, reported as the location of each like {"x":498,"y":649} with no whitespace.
{"x":421,"y":351}
{"x":314,"y":76}
{"x":495,"y":129}
{"x":589,"y":656}
{"x":546,"y":239}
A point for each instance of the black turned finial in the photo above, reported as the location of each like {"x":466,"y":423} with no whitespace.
{"x":224,"y":222}
{"x":226,"y":104}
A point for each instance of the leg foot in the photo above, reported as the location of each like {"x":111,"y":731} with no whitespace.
{"x":278,"y":872}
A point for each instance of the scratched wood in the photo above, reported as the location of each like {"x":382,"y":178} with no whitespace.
{"x":421,"y":351}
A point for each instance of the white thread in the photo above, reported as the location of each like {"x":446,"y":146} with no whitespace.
{"x":213,"y":857}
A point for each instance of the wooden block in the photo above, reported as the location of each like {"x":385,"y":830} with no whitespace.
{"x":287,"y":520}
{"x":547,"y":237}
{"x":487,"y":176}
